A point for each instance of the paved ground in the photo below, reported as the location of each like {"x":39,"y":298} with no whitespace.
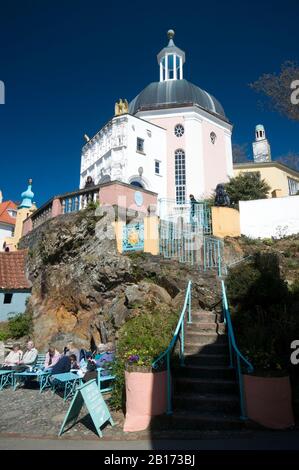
{"x":30,"y":420}
{"x":259,"y":441}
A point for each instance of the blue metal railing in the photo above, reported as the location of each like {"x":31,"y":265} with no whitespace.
{"x":213,"y":254}
{"x":235,"y":355}
{"x":179,"y":332}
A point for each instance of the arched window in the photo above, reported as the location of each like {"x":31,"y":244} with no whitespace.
{"x":180,"y":176}
{"x":137,"y":184}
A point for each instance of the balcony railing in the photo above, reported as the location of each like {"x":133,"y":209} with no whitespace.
{"x":65,"y":203}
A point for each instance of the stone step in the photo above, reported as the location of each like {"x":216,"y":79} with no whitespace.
{"x":203,"y":317}
{"x":195,"y":349}
{"x":186,"y":420}
{"x":207,"y":359}
{"x":199,"y":337}
{"x":204,"y":385}
{"x":207,"y":402}
{"x":206,"y":372}
{"x":206,"y":327}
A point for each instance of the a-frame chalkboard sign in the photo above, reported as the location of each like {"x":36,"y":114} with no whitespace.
{"x":89,"y":394}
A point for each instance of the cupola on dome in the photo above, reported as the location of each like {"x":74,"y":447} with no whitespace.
{"x":173,"y":90}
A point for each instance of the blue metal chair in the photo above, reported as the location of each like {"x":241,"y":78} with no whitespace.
{"x":108,"y":377}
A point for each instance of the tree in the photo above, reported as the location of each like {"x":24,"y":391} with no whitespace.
{"x":240,"y":153}
{"x":247,"y":187}
{"x":282,"y":90}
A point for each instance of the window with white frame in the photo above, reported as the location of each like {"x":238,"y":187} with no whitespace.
{"x":293,"y":186}
{"x":157,"y":167}
{"x":180,"y":176}
{"x":140,"y":145}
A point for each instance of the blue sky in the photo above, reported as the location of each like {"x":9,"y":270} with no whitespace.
{"x":65,"y":63}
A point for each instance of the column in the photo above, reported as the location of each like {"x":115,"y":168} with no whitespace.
{"x":174,"y":67}
{"x":181,"y":68}
{"x":166,"y":67}
{"x":161,"y":71}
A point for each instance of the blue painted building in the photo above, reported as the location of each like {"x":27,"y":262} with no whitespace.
{"x":15,"y":288}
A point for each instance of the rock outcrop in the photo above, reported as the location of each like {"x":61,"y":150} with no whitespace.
{"x":84,"y":290}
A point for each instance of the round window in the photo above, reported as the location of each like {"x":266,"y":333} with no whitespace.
{"x":179,"y":130}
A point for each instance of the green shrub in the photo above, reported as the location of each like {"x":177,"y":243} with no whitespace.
{"x":20,"y":325}
{"x":141,"y":340}
{"x":264,"y":312}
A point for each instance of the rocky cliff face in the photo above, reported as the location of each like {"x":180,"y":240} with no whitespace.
{"x":84,"y":290}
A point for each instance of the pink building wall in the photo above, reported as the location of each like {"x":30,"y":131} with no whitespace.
{"x":123,"y":195}
{"x":27,"y":226}
{"x":214,"y":156}
{"x":173,"y":143}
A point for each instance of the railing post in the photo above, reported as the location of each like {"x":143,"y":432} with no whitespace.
{"x":182,"y":358}
{"x":189,"y":307}
{"x":241,"y":389}
{"x":169,"y":404}
{"x":219,"y":260}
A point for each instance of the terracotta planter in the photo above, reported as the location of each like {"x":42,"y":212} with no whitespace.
{"x":269,"y":401}
{"x":145,"y":397}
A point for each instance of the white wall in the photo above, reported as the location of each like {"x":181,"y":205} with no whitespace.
{"x":265,"y":218}
{"x":154,"y":149}
{"x":113,"y":152}
{"x":5,"y":231}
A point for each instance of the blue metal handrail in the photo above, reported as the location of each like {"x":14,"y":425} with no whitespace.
{"x":234,"y":352}
{"x":180,"y":330}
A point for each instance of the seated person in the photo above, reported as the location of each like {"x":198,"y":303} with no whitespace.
{"x":13,"y":359}
{"x":74,"y":363}
{"x":71,"y":349}
{"x":62,"y":366}
{"x":52,"y":357}
{"x":106,"y":359}
{"x":29,"y":358}
{"x":91,"y":372}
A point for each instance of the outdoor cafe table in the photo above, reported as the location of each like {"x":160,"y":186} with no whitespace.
{"x":69,"y":380}
{"x":42,"y":376}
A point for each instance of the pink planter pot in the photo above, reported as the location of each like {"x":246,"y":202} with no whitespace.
{"x":269,"y":401}
{"x":146,"y":396}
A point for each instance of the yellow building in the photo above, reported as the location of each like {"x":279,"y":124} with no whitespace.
{"x":26,"y":208}
{"x":283,"y":181}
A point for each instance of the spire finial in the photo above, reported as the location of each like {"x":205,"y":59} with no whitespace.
{"x":170,"y":33}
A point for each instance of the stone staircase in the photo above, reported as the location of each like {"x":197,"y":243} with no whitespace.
{"x":205,"y":389}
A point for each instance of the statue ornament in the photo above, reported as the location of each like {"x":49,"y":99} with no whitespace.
{"x":221,"y":198}
{"x":121,"y":107}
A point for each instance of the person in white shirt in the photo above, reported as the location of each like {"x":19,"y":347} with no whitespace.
{"x":29,"y":357}
{"x":13,"y":359}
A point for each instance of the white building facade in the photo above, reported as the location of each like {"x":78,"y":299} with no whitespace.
{"x":174,"y":140}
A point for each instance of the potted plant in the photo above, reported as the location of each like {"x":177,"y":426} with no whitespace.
{"x":265,"y":322}
{"x":141,"y":340}
{"x":268,"y":394}
{"x":145,"y":390}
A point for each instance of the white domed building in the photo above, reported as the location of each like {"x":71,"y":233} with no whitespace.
{"x":173,"y":138}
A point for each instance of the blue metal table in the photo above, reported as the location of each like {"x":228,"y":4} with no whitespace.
{"x":42,"y":376}
{"x":6,"y":378}
{"x":69,"y":380}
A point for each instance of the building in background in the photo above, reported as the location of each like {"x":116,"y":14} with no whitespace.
{"x":261,"y":147}
{"x":283,"y":180}
{"x":14,"y":285}
{"x":24,"y":210}
{"x":8,"y":214}
{"x":173,"y":138}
